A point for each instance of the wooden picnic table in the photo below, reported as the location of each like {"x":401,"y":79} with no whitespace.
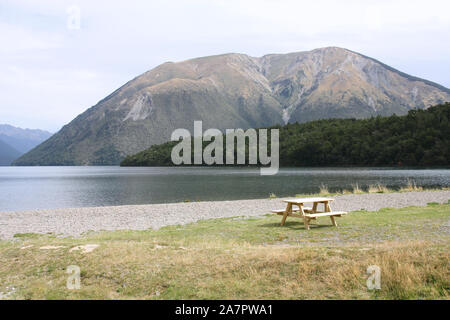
{"x":309,"y":213}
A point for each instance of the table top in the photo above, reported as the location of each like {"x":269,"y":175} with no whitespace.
{"x":307,"y":200}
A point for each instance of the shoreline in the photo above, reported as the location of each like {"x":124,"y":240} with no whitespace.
{"x":77,"y":221}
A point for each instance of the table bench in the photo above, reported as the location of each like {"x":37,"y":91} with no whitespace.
{"x":308,"y":213}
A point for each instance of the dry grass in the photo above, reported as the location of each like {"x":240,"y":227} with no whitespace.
{"x":377,"y":188}
{"x":357,"y":189}
{"x":324,"y":190}
{"x":243,"y":259}
{"x":409,"y":271}
{"x":411,"y":186}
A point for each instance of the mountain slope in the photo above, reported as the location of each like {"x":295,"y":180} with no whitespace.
{"x":232,"y":91}
{"x":7,"y":154}
{"x":338,"y":83}
{"x":23,"y":140}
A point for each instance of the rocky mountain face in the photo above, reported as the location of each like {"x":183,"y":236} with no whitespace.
{"x":233,"y":91}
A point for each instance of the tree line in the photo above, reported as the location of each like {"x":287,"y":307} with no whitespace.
{"x":420,"y":138}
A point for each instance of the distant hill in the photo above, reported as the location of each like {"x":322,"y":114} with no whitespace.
{"x":234,"y":91}
{"x":7,"y":154}
{"x":23,"y":140}
{"x":421,"y":138}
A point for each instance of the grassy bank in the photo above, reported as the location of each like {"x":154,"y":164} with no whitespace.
{"x":376,"y":188}
{"x":239,"y":258}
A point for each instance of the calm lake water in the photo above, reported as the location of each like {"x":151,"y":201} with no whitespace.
{"x":23,"y":188}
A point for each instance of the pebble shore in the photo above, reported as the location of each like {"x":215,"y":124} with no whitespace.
{"x":76,"y":221}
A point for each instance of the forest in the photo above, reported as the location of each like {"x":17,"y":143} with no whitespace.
{"x":420,"y":138}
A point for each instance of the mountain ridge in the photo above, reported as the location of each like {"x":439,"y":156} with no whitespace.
{"x":233,"y":91}
{"x":403,"y":74}
{"x":7,"y":154}
{"x":22,"y":140}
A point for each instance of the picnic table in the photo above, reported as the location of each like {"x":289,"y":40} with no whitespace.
{"x":308,"y":213}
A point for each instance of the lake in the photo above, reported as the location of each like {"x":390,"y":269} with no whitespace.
{"x":27,"y":188}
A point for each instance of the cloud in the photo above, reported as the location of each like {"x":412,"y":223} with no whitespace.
{"x":57,"y":72}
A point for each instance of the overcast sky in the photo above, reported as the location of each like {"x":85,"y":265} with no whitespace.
{"x":51,"y":70}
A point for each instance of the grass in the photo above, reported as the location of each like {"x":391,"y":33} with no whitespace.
{"x":377,"y":188}
{"x":323,"y":189}
{"x":242,"y":258}
{"x":411,"y":186}
{"x":357,"y":189}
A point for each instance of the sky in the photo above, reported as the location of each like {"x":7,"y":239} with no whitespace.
{"x":58,"y":58}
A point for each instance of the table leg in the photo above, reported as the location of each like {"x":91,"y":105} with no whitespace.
{"x":288,"y":211}
{"x":306,"y":222}
{"x":333,"y":221}
{"x":328,"y":209}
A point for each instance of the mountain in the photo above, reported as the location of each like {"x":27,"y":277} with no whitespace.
{"x":7,"y":154}
{"x":23,"y":140}
{"x":234,"y":91}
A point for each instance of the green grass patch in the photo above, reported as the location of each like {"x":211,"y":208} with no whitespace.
{"x":28,"y":235}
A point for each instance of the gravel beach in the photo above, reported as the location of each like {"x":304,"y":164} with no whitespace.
{"x":76,"y":221}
